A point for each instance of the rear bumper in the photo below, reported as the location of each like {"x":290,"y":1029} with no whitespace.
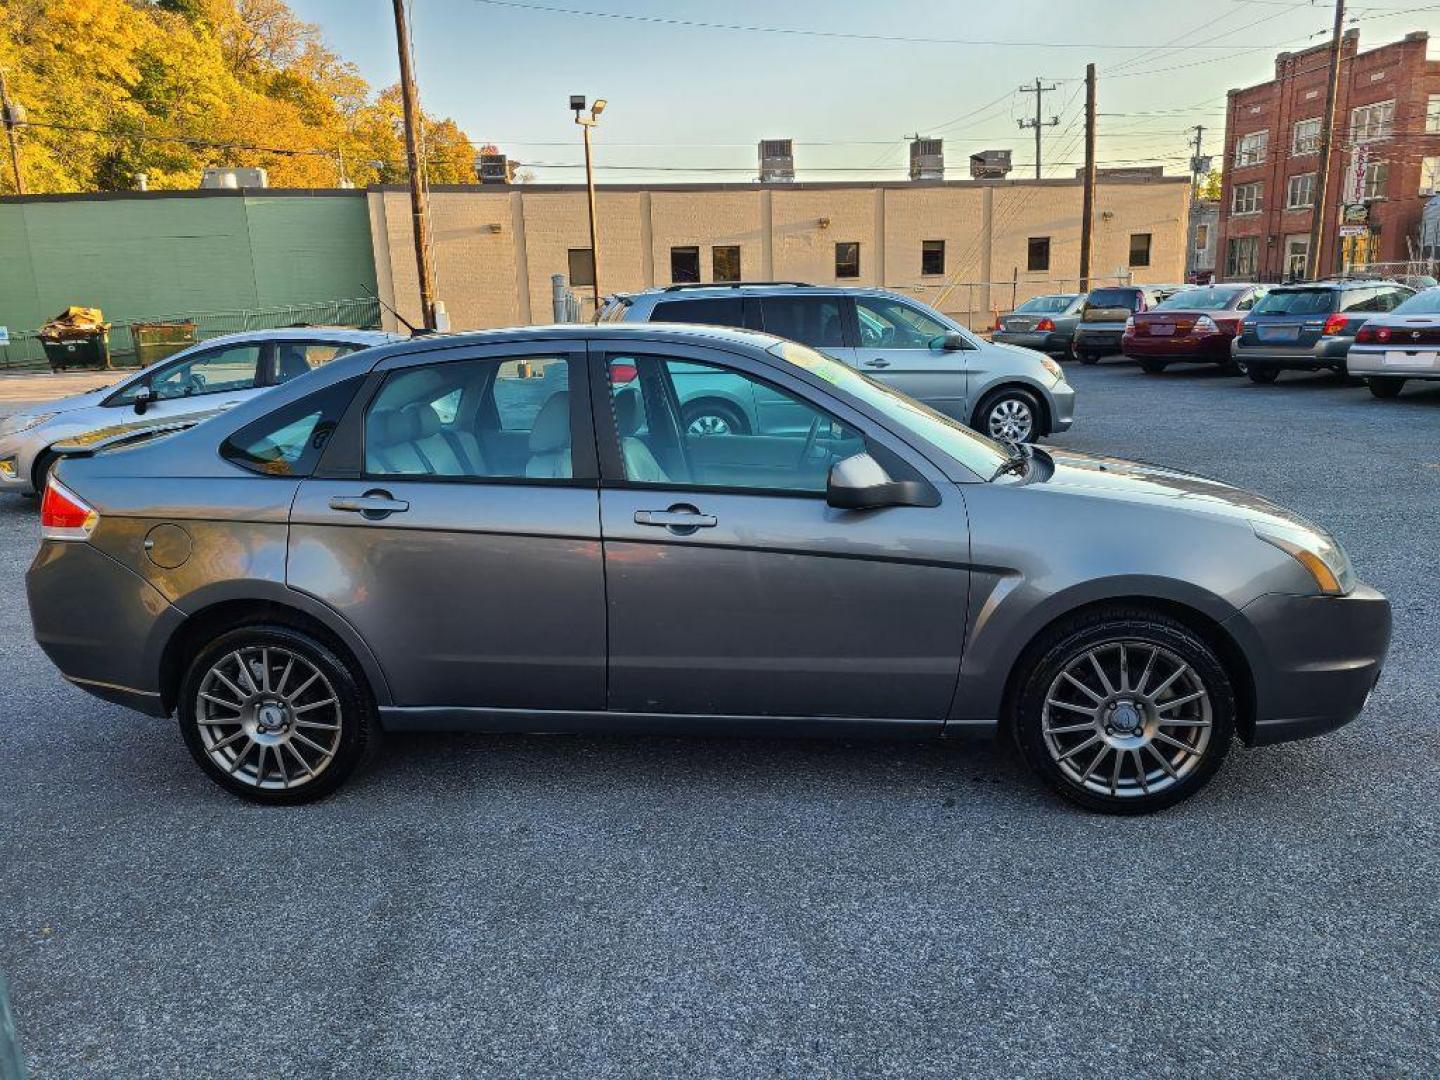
{"x":1315,"y":659}
{"x":1105,"y":340}
{"x":1363,"y":361}
{"x":1053,"y":342}
{"x":100,"y":623}
{"x":1326,"y":353}
{"x":1211,"y":347}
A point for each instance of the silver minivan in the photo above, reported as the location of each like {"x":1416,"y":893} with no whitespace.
{"x":1009,"y":393}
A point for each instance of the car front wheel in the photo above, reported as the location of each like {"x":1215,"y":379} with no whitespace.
{"x":1011,"y":415}
{"x":712,"y":418}
{"x":1124,"y":711}
{"x":1383,"y":387}
{"x":275,"y":716}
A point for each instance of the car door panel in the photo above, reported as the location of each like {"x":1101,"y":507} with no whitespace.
{"x":896,"y":353}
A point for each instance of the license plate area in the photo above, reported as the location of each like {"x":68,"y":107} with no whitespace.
{"x":1418,"y":359}
{"x":1162,"y":329}
{"x":1278,"y":333}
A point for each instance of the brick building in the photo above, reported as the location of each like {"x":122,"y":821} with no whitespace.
{"x":1388,"y":105}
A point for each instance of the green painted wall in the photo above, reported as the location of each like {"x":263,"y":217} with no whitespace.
{"x":158,"y":254}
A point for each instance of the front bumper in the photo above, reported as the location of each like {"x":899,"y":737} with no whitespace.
{"x":1314,"y":659}
{"x":1062,"y":406}
{"x":1055,"y":342}
{"x":1210,"y":347}
{"x":15,"y":466}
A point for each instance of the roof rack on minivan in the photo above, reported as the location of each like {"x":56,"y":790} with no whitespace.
{"x":732,"y":285}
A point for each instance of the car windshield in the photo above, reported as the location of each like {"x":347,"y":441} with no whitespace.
{"x":1296,"y":302}
{"x":1045,"y":304}
{"x":1209,"y":299}
{"x":980,"y":455}
{"x":1425,"y":303}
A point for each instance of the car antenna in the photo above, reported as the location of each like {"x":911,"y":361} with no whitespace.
{"x":414,"y":332}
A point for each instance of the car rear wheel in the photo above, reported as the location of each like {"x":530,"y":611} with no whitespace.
{"x":1262,"y":375}
{"x":1086,"y":357}
{"x":1151,"y":366}
{"x":1009,"y":415}
{"x":1385,"y":387}
{"x":714,"y":418}
{"x":1124,"y":711}
{"x":274,"y":716}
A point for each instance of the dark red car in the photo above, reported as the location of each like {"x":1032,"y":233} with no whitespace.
{"x":1195,"y":326}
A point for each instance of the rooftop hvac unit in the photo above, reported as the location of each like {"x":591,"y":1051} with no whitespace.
{"x":927,"y":159}
{"x":495,"y":169}
{"x":232,"y":179}
{"x":990,"y":165}
{"x":777,"y":161}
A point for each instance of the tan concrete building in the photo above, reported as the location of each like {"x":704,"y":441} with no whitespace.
{"x":967,"y":246}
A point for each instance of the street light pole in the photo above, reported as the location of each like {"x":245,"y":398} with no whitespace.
{"x":577,"y":102}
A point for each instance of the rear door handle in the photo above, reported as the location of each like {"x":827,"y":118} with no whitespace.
{"x":373,"y":504}
{"x":676,"y":519}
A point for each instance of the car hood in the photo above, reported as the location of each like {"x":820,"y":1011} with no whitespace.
{"x":1138,"y":482}
{"x":74,"y":402}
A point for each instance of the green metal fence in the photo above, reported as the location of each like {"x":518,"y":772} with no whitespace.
{"x":24,"y":350}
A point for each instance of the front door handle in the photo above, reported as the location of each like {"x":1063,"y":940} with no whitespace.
{"x":374,"y":505}
{"x":877,"y":363}
{"x":685,"y":518}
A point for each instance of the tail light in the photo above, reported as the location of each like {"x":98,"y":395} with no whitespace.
{"x":1206,"y":325}
{"x":998,"y":324}
{"x":620,"y":374}
{"x":1334,"y":324}
{"x":64,"y":515}
{"x":1372,"y":335}
{"x":1130,"y":325}
{"x":1045,"y":325}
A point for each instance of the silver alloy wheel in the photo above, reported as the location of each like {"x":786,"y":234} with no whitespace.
{"x":1122,"y":734}
{"x":1010,"y":420}
{"x":268,"y":717}
{"x":709,"y":424}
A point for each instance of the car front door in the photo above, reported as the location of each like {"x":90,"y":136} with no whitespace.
{"x":735,"y":590}
{"x":454,"y":523}
{"x":904,"y":346}
{"x":207,"y":379}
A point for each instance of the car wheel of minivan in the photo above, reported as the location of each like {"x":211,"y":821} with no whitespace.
{"x":714,"y":418}
{"x":1262,"y":375}
{"x":1123,"y":710}
{"x":1385,"y":387}
{"x":1009,"y":414}
{"x":275,"y":716}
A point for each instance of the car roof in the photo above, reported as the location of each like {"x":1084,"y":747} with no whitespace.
{"x":305,"y":333}
{"x":620,"y":332}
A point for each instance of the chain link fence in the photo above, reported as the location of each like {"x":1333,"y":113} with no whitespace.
{"x":24,"y":350}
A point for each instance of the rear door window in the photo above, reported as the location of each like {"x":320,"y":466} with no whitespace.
{"x":295,"y":358}
{"x":709,"y":311}
{"x":817,"y":321}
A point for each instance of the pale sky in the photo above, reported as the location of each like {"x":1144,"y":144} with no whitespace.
{"x":690,"y":102}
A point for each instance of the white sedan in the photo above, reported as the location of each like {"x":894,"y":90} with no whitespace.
{"x":1400,"y":345}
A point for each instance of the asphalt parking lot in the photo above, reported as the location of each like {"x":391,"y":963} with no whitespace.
{"x":592,"y":907}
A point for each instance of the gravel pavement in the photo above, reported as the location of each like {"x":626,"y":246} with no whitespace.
{"x":597,"y":907}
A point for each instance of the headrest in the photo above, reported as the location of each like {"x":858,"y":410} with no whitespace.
{"x":552,"y":424}
{"x":627,"y":412}
{"x":390,"y":427}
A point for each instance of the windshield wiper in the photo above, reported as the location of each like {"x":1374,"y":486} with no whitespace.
{"x":1017,"y":462}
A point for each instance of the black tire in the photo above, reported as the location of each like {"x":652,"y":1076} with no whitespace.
{"x":1141,"y":630}
{"x":1231,"y":366}
{"x":1385,"y":386}
{"x":354,"y":713}
{"x":727,"y":415}
{"x":1012,"y":396}
{"x":1151,"y":366}
{"x":40,"y":473}
{"x":1087,"y":357}
{"x":1262,"y":376}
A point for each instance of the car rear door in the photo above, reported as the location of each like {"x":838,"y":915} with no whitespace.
{"x":734,"y":590}
{"x":454,"y":523}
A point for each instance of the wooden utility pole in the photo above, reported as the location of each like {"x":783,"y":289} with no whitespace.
{"x":1327,"y":125}
{"x":9,"y":115}
{"x":1087,"y":223}
{"x":1039,"y":123}
{"x":414,"y":162}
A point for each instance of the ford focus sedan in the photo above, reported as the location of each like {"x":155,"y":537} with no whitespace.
{"x":517,"y":531}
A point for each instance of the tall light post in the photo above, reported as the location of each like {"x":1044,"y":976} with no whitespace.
{"x":577,"y":103}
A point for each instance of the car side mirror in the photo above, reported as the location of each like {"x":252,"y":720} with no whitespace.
{"x":861,"y":483}
{"x":143,"y":398}
{"x":953,"y":341}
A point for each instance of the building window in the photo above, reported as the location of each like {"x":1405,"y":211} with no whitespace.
{"x":1429,"y":175}
{"x":1202,"y":236}
{"x":1306,"y":138}
{"x":847,"y":260}
{"x":725,"y":262}
{"x":1300,"y":192}
{"x":684,"y":265}
{"x":582,"y":267}
{"x":1297,"y":255}
{"x":1245,"y":198}
{"x":1037,"y":257}
{"x":1140,"y":249}
{"x":932,"y":256}
{"x":1242,"y":257}
{"x":1377,"y":175}
{"x":1372,"y":121}
{"x":1432,"y":115}
{"x":1250,"y":149}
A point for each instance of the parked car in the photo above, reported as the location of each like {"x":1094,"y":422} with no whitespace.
{"x":213,"y":374}
{"x":1194,"y":325}
{"x":1309,"y":327}
{"x":1105,"y":311}
{"x":1043,"y":323}
{"x":1392,"y":349}
{"x":383,"y":544}
{"x":1010,"y":393}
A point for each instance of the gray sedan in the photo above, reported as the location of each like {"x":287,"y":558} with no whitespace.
{"x":1043,"y":323}
{"x":215,"y":374}
{"x":516,"y":531}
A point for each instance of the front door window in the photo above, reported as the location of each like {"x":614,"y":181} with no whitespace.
{"x":893,"y":324}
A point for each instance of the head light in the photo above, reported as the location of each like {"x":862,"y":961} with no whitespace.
{"x":12,"y":425}
{"x":1052,"y":367}
{"x":1321,"y":555}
